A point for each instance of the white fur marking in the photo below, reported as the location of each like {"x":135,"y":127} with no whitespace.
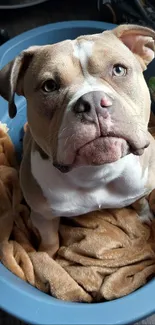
{"x":86,"y":189}
{"x":83,"y":51}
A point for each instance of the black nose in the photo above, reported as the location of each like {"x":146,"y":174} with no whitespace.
{"x":92,"y":101}
{"x":82,"y":106}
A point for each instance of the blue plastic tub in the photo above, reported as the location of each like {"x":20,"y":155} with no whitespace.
{"x":17,"y":297}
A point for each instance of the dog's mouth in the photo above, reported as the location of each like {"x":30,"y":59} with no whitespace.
{"x":100,"y":151}
{"x":63,"y":168}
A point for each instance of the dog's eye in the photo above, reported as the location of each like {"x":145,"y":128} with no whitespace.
{"x":119,"y":70}
{"x":49,"y":86}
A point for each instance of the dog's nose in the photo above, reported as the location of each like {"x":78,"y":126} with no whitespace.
{"x":92,"y":101}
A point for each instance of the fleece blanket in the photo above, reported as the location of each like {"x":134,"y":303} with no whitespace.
{"x":102,"y":256}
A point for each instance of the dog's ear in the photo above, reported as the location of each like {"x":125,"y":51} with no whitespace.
{"x":140,"y":40}
{"x":11,"y":77}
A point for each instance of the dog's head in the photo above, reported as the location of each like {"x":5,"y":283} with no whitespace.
{"x":87,"y":100}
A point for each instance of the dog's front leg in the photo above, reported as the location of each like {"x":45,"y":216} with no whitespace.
{"x":48,"y":229}
{"x":143,"y":210}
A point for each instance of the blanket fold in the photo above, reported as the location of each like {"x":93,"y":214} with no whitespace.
{"x":102,"y":256}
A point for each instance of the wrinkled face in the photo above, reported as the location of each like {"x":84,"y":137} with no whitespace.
{"x":88,"y":103}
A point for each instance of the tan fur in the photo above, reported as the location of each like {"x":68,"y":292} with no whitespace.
{"x":45,"y":112}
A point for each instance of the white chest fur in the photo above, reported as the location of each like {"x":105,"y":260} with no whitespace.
{"x":91,"y":188}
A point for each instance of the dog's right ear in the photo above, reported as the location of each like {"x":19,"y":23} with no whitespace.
{"x":11,"y":77}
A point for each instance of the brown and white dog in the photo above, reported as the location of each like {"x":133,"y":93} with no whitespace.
{"x":88,"y":107}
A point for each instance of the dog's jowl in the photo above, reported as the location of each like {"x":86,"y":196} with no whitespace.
{"x":87,"y":144}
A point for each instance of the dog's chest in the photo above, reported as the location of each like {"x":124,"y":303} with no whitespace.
{"x":89,"y":188}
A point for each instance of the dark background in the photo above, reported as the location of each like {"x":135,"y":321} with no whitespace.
{"x":20,"y":20}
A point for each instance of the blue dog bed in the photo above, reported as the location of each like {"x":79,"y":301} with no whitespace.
{"x":19,"y":298}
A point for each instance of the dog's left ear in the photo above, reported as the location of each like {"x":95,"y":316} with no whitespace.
{"x":140,"y":40}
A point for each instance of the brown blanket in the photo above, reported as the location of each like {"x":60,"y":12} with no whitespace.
{"x":103,"y":255}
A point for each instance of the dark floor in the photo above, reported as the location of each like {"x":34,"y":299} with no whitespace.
{"x":18,"y":21}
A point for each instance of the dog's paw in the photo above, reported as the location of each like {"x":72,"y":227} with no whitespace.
{"x":51,"y":250}
{"x":146,"y":215}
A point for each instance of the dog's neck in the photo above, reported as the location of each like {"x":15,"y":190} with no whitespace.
{"x":91,"y":176}
{"x":86,"y":189}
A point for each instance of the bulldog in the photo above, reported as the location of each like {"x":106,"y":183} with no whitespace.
{"x":87,"y":145}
